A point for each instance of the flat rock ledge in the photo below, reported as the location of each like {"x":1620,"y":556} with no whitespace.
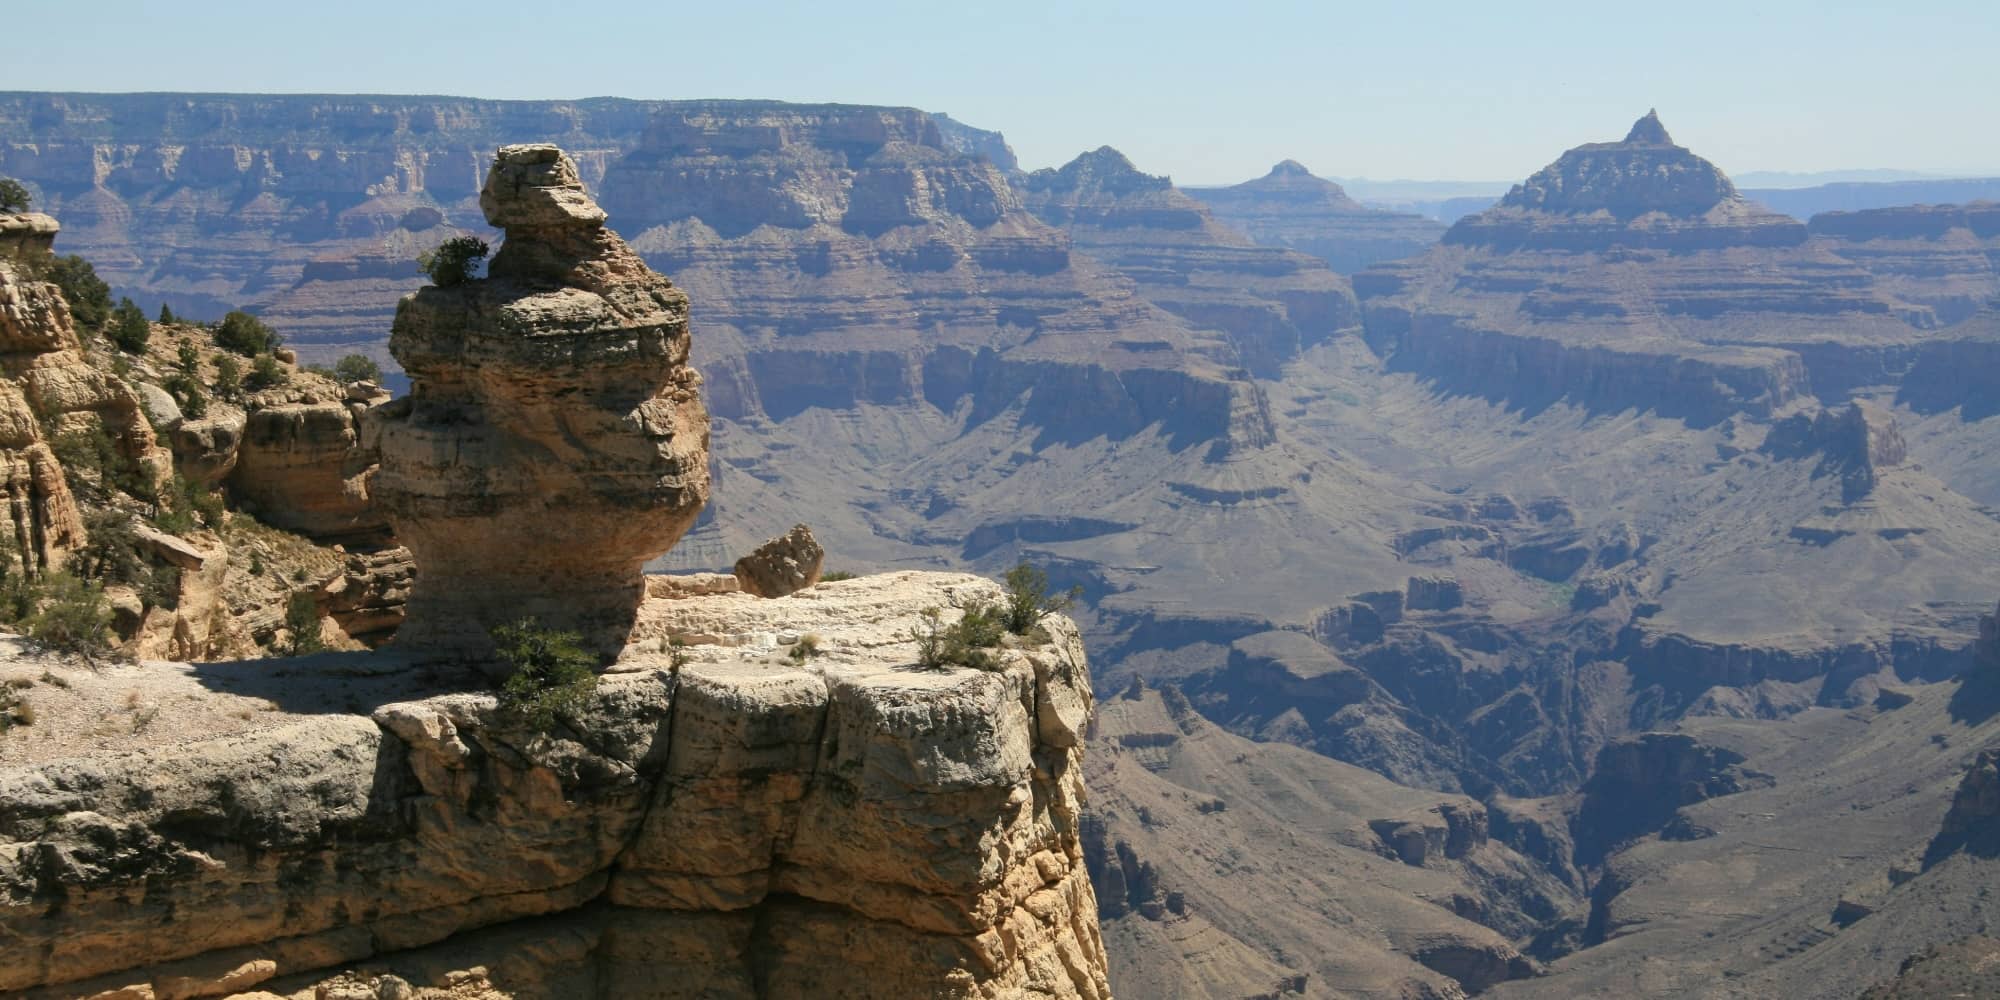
{"x":742,"y":825}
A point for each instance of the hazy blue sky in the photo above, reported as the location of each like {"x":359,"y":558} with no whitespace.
{"x":1209,"y":92}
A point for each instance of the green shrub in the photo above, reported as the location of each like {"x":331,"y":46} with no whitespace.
{"x":805,"y":649}
{"x":188,"y":393}
{"x":302,"y":620}
{"x":14,"y":196}
{"x":111,"y":553}
{"x":1029,"y":601}
{"x":166,"y":315}
{"x":962,"y":643}
{"x":228,"y":379}
{"x":836,"y":576}
{"x":88,"y":296}
{"x":129,"y":329}
{"x":356,"y":368}
{"x":246,"y":334}
{"x":550,"y":673}
{"x":162,"y":587}
{"x":265,"y":373}
{"x":93,"y":465}
{"x":71,"y":615}
{"x":188,"y":505}
{"x":453,"y":261}
{"x":187,"y":360}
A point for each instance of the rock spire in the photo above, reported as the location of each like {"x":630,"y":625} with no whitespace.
{"x":554,"y":438}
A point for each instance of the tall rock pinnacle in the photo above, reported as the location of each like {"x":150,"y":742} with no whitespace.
{"x":554,"y":438}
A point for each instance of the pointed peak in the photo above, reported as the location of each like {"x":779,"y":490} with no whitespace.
{"x":1290,"y":168}
{"x":1649,"y":132}
{"x":1107,"y":156}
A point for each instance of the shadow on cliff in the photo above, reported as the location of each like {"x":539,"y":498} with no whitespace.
{"x":334,"y":683}
{"x":1977,"y":698}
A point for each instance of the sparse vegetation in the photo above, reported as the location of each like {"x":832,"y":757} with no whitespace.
{"x":93,"y":465}
{"x":71,"y":615}
{"x":167,"y":315}
{"x":246,"y":335}
{"x":356,"y":368}
{"x":1029,"y":600}
{"x":453,"y":261}
{"x":835,"y":576}
{"x":88,"y":296}
{"x":265,"y":373}
{"x":552,"y":675}
{"x":129,"y":329}
{"x":188,"y":505}
{"x":14,"y":196}
{"x":805,"y":649}
{"x":677,"y":652}
{"x":228,"y":379}
{"x":962,"y":643}
{"x":302,"y":621}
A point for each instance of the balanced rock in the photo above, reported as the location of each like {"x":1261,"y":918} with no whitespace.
{"x":784,"y":565}
{"x":554,"y":438}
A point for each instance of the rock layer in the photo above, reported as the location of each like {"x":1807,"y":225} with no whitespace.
{"x":554,"y":438}
{"x":1289,"y":207}
{"x":744,"y":827}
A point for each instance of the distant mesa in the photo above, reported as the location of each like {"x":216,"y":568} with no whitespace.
{"x":1291,"y":207}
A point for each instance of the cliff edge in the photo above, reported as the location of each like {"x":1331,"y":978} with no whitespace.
{"x":742,"y":825}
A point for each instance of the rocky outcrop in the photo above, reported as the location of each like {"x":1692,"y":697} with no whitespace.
{"x":1289,"y":207}
{"x":48,"y":390}
{"x":302,"y":461}
{"x":1854,"y":442}
{"x":554,"y":438}
{"x":1975,"y":808}
{"x":24,"y":234}
{"x":744,"y":826}
{"x":1640,"y":782}
{"x":784,"y":565}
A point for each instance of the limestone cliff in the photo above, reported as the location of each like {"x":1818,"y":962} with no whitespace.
{"x":742,"y":825}
{"x":554,"y":438}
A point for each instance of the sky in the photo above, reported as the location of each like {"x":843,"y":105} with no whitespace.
{"x":1210,"y":93}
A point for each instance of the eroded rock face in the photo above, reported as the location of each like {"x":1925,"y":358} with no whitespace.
{"x":554,"y":438}
{"x":849,"y":827}
{"x":47,"y":390}
{"x":1290,"y":207}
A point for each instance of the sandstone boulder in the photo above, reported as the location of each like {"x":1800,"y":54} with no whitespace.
{"x":784,"y":565}
{"x":554,"y":439}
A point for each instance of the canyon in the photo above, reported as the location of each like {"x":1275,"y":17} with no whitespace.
{"x":1429,"y":550}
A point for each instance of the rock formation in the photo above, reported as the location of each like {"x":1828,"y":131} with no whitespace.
{"x":554,"y":438}
{"x":303,"y":461}
{"x":48,"y":390}
{"x":1289,"y":207}
{"x":1623,"y":272}
{"x":784,"y":565}
{"x":742,"y":827}
{"x":1263,"y":304}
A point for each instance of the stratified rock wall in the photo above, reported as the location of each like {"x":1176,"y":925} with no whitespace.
{"x":554,"y":439}
{"x":1289,"y":207}
{"x":744,"y":826}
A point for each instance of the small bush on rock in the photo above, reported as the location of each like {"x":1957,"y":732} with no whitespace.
{"x":302,"y":620}
{"x":246,"y":335}
{"x":453,"y":261}
{"x":1029,"y":601}
{"x":129,"y":329}
{"x":72,"y":615}
{"x":551,"y":673}
{"x":356,"y":368}
{"x":265,"y":373}
{"x":962,"y":643}
{"x":14,"y":196}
